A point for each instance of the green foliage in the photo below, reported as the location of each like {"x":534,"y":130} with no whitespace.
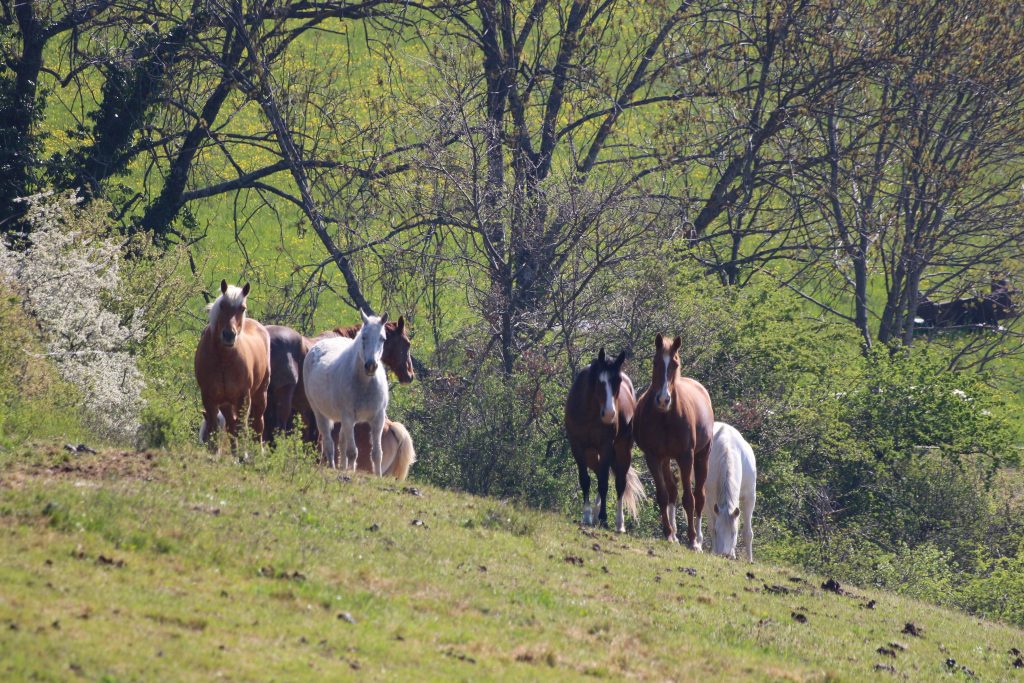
{"x":498,"y":436}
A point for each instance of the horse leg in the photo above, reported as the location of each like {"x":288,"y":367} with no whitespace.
{"x":376,"y":452}
{"x":748,"y":525}
{"x":257,"y":407}
{"x":580,"y":455}
{"x":211,"y":420}
{"x":283,"y":407}
{"x":347,"y":442}
{"x":700,"y":477}
{"x":603,"y":468}
{"x":326,"y":442}
{"x":661,"y":494}
{"x":269,"y":421}
{"x":624,"y":459}
{"x":685,"y":462}
{"x":621,"y":470}
{"x":672,"y":495}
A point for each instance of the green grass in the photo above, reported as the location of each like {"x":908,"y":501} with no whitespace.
{"x":241,"y":572}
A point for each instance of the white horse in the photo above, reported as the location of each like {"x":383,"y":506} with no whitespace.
{"x":731,"y":487}
{"x":346,"y":382}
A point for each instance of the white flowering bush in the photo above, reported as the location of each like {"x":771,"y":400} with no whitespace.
{"x":68,"y":278}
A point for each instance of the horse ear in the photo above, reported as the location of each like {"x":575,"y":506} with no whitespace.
{"x":363,"y":316}
{"x":736,"y":512}
{"x":658,"y":341}
{"x":223,"y":286}
{"x":384,"y":319}
{"x":619,"y":360}
{"x":401,"y":324}
{"x":676,"y":343}
{"x":600,"y":355}
{"x":245,"y":290}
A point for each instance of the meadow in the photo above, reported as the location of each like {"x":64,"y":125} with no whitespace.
{"x":135,"y":565}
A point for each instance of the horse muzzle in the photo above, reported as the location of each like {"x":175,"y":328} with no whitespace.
{"x":370,"y":368}
{"x":608,"y":417}
{"x":228,"y":337}
{"x":662,"y":404}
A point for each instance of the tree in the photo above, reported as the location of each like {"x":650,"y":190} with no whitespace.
{"x":921,"y":184}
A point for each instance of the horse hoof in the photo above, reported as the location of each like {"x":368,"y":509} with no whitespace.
{"x":672,"y":539}
{"x":621,"y":529}
{"x":696,"y":548}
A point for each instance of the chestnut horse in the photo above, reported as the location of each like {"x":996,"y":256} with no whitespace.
{"x":232,"y":364}
{"x":675,"y":421}
{"x":598,"y":416}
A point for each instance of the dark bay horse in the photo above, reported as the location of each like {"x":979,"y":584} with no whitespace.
{"x":232,"y":364}
{"x":675,"y":421}
{"x":288,"y":350}
{"x":598,"y":416}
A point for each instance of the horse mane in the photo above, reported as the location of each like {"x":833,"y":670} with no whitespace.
{"x":233,"y":297}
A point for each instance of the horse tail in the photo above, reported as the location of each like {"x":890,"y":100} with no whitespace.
{"x":634,"y":495}
{"x":204,"y":429}
{"x":406,"y":455}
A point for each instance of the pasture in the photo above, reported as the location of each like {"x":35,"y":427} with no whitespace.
{"x":160,"y":565}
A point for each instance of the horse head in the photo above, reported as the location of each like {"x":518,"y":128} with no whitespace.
{"x":665,"y":371}
{"x":397,"y":346}
{"x":726,"y":521}
{"x":227,"y":314}
{"x":370,"y":341}
{"x":606,"y":378}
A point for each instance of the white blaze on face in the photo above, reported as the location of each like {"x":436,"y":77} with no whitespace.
{"x":664,"y":398}
{"x":608,"y":410}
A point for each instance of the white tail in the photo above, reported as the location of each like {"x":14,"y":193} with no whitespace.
{"x":634,"y":495}
{"x":406,"y":455}
{"x":204,"y":429}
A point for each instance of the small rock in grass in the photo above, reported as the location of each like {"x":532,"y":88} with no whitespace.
{"x":799,"y":617}
{"x":885,"y":667}
{"x":870,"y":604}
{"x":833,"y":587}
{"x":886,"y":651}
{"x":345,"y":616}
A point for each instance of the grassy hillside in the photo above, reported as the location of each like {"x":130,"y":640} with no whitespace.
{"x":130,"y":566}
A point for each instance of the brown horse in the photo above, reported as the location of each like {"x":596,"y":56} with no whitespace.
{"x":598,"y":416}
{"x":675,"y":421}
{"x":232,"y":364}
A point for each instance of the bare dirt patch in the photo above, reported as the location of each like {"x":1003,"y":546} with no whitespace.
{"x":108,"y":465}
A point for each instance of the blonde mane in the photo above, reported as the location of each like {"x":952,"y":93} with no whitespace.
{"x":233,"y":297}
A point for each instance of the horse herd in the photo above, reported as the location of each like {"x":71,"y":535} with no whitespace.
{"x":337,"y":383}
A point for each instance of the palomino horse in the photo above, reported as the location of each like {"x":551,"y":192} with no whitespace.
{"x":346,"y":383}
{"x":675,"y":421}
{"x":731,"y":486}
{"x":288,"y":350}
{"x":598,"y":416}
{"x":232,"y":364}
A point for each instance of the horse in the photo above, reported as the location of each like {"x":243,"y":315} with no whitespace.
{"x":232,"y":364}
{"x":288,"y":350}
{"x":398,"y":454}
{"x":346,"y":383}
{"x":674,"y":421}
{"x":731,"y":487}
{"x":598,"y":417}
